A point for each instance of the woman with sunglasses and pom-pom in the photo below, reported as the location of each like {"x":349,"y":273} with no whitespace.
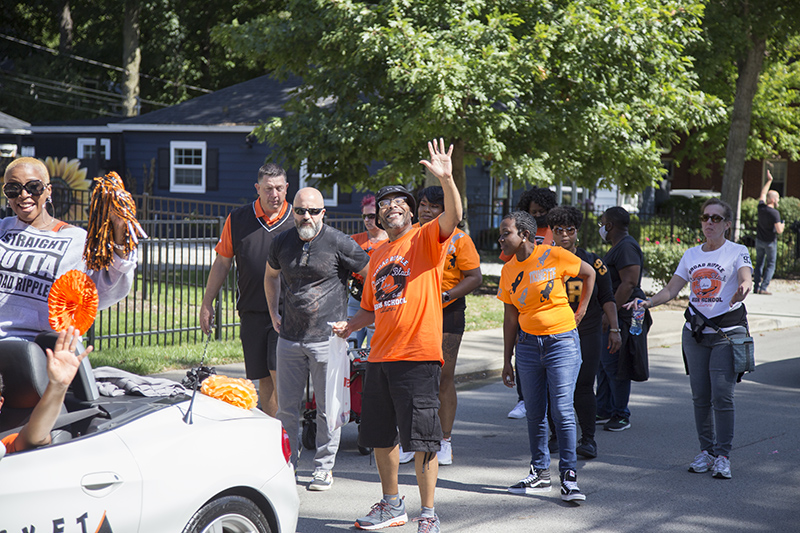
{"x":36,"y":248}
{"x":720,"y":274}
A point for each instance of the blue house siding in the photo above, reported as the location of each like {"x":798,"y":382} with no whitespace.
{"x":238,"y":163}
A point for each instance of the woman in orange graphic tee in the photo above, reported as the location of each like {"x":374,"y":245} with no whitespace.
{"x":368,"y":240}
{"x":461,"y":276}
{"x":540,"y":325}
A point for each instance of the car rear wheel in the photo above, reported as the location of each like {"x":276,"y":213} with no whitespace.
{"x":228,"y":514}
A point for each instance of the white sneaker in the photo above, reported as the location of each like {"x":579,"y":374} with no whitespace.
{"x":405,"y":457}
{"x":518,"y":411}
{"x":445,"y":454}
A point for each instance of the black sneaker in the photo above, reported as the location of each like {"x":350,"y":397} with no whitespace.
{"x":537,"y":481}
{"x":569,"y":487}
{"x":617,"y":423}
{"x":598,"y":419}
{"x":587,"y":448}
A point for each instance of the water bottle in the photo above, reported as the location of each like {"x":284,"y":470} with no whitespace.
{"x":637,"y":318}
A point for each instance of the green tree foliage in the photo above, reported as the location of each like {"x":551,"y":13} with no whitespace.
{"x":177,"y":54}
{"x":584,"y":90}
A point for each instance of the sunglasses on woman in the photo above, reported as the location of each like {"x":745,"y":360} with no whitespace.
{"x":558,"y":230}
{"x":368,"y":216}
{"x":34,"y":188}
{"x":313,"y":211}
{"x":716,"y":219}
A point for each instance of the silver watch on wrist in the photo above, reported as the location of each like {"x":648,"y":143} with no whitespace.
{"x":446,"y":296}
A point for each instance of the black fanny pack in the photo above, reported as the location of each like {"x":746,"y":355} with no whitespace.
{"x":735,"y":317}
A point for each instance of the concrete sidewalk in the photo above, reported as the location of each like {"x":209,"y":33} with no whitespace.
{"x":481,"y":353}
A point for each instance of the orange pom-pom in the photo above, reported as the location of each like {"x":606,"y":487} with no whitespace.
{"x":72,"y":302}
{"x":235,"y":391}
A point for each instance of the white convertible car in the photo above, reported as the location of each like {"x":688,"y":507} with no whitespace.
{"x":134,"y":464}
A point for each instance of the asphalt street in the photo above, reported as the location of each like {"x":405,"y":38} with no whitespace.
{"x":639,"y":482}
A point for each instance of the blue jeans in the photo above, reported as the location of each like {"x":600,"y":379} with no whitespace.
{"x":612,"y":394}
{"x":549,"y":364}
{"x":712,"y":378}
{"x":766,"y":255}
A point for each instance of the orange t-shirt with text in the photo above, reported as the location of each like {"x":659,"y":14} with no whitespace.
{"x":536,"y":287}
{"x":461,"y":255}
{"x":404,"y":290}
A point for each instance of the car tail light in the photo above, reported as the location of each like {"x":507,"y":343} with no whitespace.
{"x":286,"y":445}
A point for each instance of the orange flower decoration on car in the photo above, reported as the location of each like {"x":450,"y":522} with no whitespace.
{"x":72,"y":302}
{"x":235,"y":391}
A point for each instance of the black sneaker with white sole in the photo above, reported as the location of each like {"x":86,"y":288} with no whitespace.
{"x":537,"y":481}
{"x":569,"y":487}
{"x":617,"y":423}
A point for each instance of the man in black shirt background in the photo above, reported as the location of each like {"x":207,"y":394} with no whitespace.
{"x":768,"y":227}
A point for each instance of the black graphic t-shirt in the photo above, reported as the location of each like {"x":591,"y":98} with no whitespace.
{"x":314,"y":280}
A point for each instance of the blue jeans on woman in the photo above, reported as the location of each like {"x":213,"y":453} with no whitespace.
{"x":549,"y":364}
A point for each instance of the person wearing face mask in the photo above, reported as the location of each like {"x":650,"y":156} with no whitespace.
{"x":368,"y":240}
{"x":565,"y":223}
{"x":537,"y":201}
{"x":37,"y":248}
{"x":625,"y":263}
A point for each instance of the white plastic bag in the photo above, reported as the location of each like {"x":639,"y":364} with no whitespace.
{"x":337,"y":384}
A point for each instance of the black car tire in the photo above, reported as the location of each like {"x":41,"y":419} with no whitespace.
{"x":235,"y":513}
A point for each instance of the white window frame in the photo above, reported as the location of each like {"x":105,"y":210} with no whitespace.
{"x":312,"y":180}
{"x":83,"y":142}
{"x":780,"y":178}
{"x":191,"y":145}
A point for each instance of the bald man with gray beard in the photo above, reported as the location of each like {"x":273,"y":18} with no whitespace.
{"x":312,"y":262}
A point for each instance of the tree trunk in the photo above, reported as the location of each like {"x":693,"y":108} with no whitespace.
{"x":131,"y":57}
{"x":736,"y":151}
{"x":65,"y":28}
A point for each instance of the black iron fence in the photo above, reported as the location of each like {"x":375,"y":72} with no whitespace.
{"x":173,"y":264}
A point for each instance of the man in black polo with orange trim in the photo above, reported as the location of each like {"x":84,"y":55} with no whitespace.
{"x":247,"y":236}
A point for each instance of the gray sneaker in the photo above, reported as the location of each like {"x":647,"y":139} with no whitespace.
{"x":321,"y":480}
{"x":383,"y":515}
{"x":427,"y":524}
{"x":702,"y":462}
{"x":721,"y":468}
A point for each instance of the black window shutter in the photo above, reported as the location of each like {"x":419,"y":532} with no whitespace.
{"x":212,"y":169}
{"x":163,"y":168}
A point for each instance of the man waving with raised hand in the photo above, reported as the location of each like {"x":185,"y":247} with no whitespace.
{"x":402,"y":295}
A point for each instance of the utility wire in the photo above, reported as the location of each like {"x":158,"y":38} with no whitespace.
{"x":100,"y":64}
{"x":43,"y":100}
{"x":71,"y":88}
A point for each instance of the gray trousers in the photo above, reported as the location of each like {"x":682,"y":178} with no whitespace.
{"x":295,"y":361}
{"x":712,"y":380}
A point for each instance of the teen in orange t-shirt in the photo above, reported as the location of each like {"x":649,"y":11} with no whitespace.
{"x":461,"y":276}
{"x":540,"y":325}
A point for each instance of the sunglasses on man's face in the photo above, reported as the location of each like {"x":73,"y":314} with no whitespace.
{"x":716,"y":219}
{"x":313,"y":211}
{"x":386,"y":202}
{"x":34,"y":188}
{"x":368,"y":216}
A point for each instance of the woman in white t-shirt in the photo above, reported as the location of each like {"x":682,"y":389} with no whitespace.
{"x":720,"y":276}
